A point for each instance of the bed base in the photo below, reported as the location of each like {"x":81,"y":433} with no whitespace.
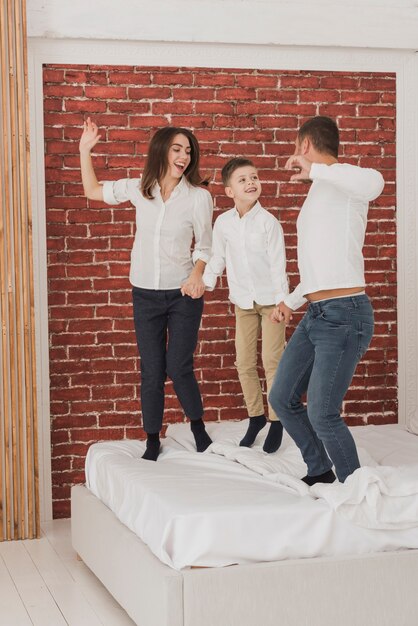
{"x":374,"y":590}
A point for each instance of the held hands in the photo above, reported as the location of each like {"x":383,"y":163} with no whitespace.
{"x":302,"y":164}
{"x":280,"y":313}
{"x":193,"y":287}
{"x":90,"y":136}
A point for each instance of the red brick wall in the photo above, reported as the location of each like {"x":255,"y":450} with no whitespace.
{"x":93,"y":356}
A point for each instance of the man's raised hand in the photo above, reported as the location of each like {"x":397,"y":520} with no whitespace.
{"x":302,"y":164}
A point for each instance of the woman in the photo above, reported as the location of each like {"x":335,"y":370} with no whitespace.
{"x":172,"y":209}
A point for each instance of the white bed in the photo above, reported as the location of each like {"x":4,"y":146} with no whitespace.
{"x":299,"y":561}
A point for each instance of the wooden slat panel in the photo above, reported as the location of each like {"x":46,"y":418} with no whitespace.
{"x":19,"y":488}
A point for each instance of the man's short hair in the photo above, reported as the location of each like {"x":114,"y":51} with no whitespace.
{"x":232,"y":165}
{"x":323,"y":132}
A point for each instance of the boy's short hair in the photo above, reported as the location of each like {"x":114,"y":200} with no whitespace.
{"x":323,"y":132}
{"x":232,"y":165}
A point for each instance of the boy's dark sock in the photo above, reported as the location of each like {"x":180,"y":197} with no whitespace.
{"x":201,"y":437}
{"x":256,"y":424}
{"x":153,"y":447}
{"x":274,"y":437}
{"x":327,"y":477}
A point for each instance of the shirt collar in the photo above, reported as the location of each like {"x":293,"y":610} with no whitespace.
{"x":181,"y":187}
{"x":251,"y":213}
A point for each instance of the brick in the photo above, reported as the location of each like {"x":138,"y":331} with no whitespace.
{"x":337,"y":110}
{"x":63,"y":91}
{"x":167,"y":108}
{"x":97,"y":78}
{"x":53,"y":76}
{"x":129,"y":78}
{"x":53,"y":105}
{"x":105,"y":92}
{"x":339,"y":82}
{"x":131,"y":107}
{"x":319,"y":96}
{"x":257,"y":80}
{"x":149,"y":93}
{"x":85,"y":107}
{"x":226,"y":108}
{"x":235,"y":93}
{"x":378,"y":84}
{"x":61,"y":147}
{"x":229,"y":121}
{"x":173,"y":79}
{"x":121,"y":391}
{"x":242,"y":148}
{"x":147,"y":121}
{"x":208,"y":80}
{"x":75,"y":77}
{"x":377,"y":136}
{"x":53,"y":133}
{"x":190,"y":94}
{"x":385,"y":111}
{"x":192,"y":122}
{"x":299,"y":82}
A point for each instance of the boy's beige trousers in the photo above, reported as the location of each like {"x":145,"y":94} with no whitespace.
{"x":249,"y":322}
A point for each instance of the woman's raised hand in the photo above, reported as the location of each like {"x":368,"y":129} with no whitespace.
{"x":90,"y":136}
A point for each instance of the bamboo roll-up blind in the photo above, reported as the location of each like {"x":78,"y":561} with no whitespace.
{"x":19,"y":489}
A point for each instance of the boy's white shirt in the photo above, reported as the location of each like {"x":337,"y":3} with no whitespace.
{"x":331,"y":227}
{"x":252,"y":250}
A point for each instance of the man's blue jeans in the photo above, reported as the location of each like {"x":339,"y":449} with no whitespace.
{"x":320,"y":359}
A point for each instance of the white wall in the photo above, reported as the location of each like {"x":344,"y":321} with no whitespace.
{"x":352,"y":23}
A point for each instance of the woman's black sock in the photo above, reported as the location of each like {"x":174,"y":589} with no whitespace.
{"x":201,"y":437}
{"x":153,"y":447}
{"x":326,"y":477}
{"x":274,"y":437}
{"x":256,"y":424}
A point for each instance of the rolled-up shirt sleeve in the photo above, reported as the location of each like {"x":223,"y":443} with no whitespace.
{"x":217,"y":261}
{"x":277,"y":258}
{"x":295,"y":300}
{"x":118,"y":191}
{"x":202,"y":226}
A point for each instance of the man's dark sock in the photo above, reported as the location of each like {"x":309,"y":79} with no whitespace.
{"x":274,"y":437}
{"x":201,"y":437}
{"x":153,"y":447}
{"x":327,"y":477}
{"x":256,"y":424}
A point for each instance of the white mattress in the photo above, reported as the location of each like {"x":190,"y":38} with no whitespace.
{"x":218,"y":509}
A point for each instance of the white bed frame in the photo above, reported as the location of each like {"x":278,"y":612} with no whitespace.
{"x":377,"y":590}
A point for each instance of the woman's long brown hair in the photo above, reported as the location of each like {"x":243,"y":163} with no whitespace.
{"x":157,"y":160}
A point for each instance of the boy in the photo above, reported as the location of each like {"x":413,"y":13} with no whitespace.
{"x":249,"y":242}
{"x":335,"y":332}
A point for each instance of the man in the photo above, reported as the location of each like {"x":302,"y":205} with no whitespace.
{"x":335,"y":332}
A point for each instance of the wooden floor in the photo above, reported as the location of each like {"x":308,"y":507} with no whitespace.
{"x":43,"y":583}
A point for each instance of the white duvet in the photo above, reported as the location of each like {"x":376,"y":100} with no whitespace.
{"x":235,"y":505}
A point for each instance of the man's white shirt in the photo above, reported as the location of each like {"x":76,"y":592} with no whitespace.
{"x":331,"y":227}
{"x":161,"y":256}
{"x":252,"y":250}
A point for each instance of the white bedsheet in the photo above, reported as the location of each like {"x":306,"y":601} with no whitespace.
{"x":376,"y":497}
{"x":210,"y":510}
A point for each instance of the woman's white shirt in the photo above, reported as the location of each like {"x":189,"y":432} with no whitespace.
{"x":331,"y":227}
{"x":161,"y":256}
